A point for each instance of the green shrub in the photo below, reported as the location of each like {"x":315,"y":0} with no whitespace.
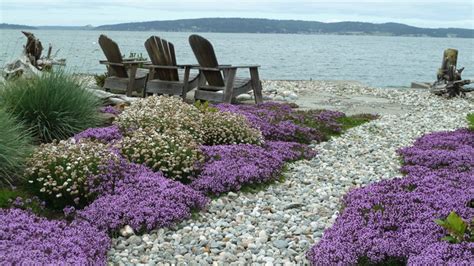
{"x":229,"y":128}
{"x":69,"y":173}
{"x":15,"y":146}
{"x":100,"y":79}
{"x":173,"y":152}
{"x":470,"y":120}
{"x":161,"y":113}
{"x":54,"y":106}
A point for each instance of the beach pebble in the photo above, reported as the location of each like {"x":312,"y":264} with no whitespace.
{"x":279,"y":224}
{"x":126,"y":231}
{"x":244,"y":97}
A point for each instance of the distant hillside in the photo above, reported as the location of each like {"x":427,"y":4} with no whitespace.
{"x":235,"y":25}
{"x":87,"y":27}
{"x":15,"y":27}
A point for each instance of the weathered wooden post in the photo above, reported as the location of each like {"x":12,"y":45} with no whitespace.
{"x":449,"y":77}
{"x":450,"y":60}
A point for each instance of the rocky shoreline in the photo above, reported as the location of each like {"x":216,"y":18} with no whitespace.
{"x":279,"y":224}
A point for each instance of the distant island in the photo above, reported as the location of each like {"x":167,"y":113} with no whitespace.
{"x":252,"y":25}
{"x":86,"y":27}
{"x":16,"y":27}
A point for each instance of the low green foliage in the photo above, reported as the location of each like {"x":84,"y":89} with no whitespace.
{"x":257,"y":187}
{"x":329,"y":130}
{"x":470,"y":120}
{"x":100,"y":79}
{"x":355,"y":120}
{"x":390,"y":261}
{"x":458,"y":229}
{"x":53,"y":106}
{"x":15,"y":146}
{"x":204,"y":107}
{"x":135,"y":57}
{"x":7,"y":196}
{"x":17,"y":198}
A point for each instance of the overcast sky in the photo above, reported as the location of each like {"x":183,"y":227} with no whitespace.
{"x":422,"y":13}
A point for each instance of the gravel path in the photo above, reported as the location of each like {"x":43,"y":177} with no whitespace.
{"x":278,"y":225}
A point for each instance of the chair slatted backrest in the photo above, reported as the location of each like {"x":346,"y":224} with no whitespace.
{"x":161,"y":52}
{"x":206,"y":57}
{"x":113,"y":55}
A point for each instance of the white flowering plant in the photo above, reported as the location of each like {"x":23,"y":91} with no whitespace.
{"x":173,"y":152}
{"x":161,"y":113}
{"x":66,"y":173}
{"x":229,"y":128}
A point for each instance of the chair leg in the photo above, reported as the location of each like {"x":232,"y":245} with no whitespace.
{"x":229,"y":85}
{"x":256,"y":85}
{"x":131,"y":82}
{"x":185,"y":82}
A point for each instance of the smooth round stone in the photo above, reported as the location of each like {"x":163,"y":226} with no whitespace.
{"x":280,"y":244}
{"x":238,"y":222}
{"x":262,"y":236}
{"x":244,"y":97}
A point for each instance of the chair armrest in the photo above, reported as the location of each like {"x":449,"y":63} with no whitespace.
{"x":170,"y":67}
{"x":161,"y":67}
{"x":242,"y":66}
{"x":188,"y":65}
{"x":110,"y":63}
{"x":105,"y":62}
{"x":135,"y":62}
{"x":224,"y":67}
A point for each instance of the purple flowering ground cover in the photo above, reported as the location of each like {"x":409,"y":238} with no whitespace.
{"x":28,"y":239}
{"x":102,"y":134}
{"x":286,"y":132}
{"x":110,"y":110}
{"x":394,"y":221}
{"x":145,"y":200}
{"x":276,"y":121}
{"x":134,"y":195}
{"x":229,"y":167}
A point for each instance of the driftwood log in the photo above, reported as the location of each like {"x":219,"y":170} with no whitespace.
{"x":111,"y":98}
{"x":449,"y":81}
{"x":31,"y":62}
{"x":33,"y":47}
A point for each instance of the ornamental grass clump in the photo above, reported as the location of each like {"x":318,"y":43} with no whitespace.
{"x":53,"y":106}
{"x":161,"y":113}
{"x":15,"y":147}
{"x":228,"y":128}
{"x":26,"y":239}
{"x":69,"y":173}
{"x":420,"y":219}
{"x":173,"y":152}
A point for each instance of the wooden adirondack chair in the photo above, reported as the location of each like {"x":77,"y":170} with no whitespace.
{"x":164,"y":77}
{"x":218,"y":82}
{"x":122,"y":74}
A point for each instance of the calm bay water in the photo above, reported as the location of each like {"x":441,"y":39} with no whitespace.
{"x":374,"y":60}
